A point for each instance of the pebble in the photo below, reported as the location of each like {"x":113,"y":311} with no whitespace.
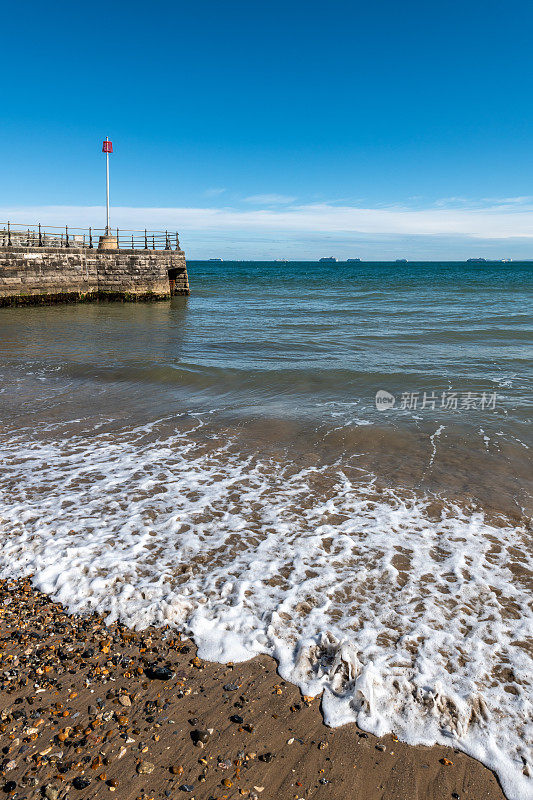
{"x":124,"y":700}
{"x":186,"y":787}
{"x":200,"y":737}
{"x":155,"y":672}
{"x":81,"y":783}
{"x":145,"y":767}
{"x":238,"y":720}
{"x":51,"y":792}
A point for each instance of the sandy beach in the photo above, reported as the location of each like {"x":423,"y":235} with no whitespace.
{"x":88,"y":710}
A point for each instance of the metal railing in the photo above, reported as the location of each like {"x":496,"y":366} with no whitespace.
{"x":16,"y":235}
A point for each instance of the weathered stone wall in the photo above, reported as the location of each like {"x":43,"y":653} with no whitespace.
{"x":47,"y":274}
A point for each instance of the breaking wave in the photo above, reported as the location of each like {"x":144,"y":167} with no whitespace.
{"x":410,"y":614}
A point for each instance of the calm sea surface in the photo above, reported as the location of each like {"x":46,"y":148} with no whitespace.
{"x":218,"y":462}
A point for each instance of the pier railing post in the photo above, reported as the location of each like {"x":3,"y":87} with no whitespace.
{"x":90,"y":239}
{"x":8,"y":235}
{"x":40,"y":236}
{"x":66,"y":236}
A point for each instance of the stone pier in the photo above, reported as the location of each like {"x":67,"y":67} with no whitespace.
{"x":41,"y":275}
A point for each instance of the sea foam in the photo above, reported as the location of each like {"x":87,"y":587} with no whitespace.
{"x":408,"y":616}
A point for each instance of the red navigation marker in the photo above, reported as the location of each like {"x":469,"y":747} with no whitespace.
{"x":107,"y":147}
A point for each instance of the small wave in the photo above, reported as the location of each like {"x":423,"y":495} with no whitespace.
{"x":409,"y":615}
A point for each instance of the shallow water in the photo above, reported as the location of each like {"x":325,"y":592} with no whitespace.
{"x":219,"y":462}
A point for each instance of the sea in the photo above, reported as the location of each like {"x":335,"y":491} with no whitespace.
{"x":326,"y":462}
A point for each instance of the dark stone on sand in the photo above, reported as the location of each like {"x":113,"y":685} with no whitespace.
{"x":157,"y":673}
{"x":9,"y":787}
{"x":238,"y":720}
{"x":200,"y":736}
{"x":186,"y":787}
{"x":266,"y":757}
{"x":230,"y":687}
{"x":81,"y":783}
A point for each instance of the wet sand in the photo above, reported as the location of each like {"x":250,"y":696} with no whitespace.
{"x":87,"y":710}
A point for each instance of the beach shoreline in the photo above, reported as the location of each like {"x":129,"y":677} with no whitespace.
{"x":90,"y":709}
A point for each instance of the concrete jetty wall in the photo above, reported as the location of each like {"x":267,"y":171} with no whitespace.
{"x":33,"y":275}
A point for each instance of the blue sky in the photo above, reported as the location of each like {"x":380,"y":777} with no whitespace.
{"x":277,"y":129}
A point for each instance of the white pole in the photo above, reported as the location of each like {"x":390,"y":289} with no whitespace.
{"x":107,"y":230}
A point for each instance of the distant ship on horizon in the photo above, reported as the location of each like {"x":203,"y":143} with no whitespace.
{"x":401,"y":261}
{"x":328,"y":258}
{"x":351,"y":260}
{"x":215,"y":259}
{"x":488,"y":260}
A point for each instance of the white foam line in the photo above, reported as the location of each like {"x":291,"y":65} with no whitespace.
{"x":433,"y":437}
{"x":407,"y":623}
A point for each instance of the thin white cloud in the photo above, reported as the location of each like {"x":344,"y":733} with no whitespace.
{"x":269,"y":199}
{"x":484,"y":202}
{"x":214,"y":191}
{"x":486,"y":222}
{"x":524,"y":201}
